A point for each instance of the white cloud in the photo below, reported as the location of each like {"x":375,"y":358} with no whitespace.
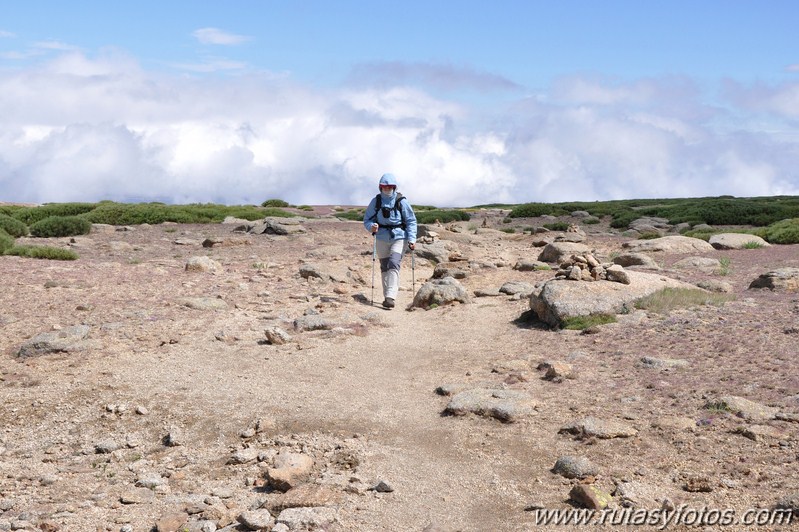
{"x":77,"y":128}
{"x":6,"y":35}
{"x":217,"y":36}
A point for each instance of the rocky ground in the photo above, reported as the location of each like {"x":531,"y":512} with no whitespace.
{"x":139,"y":394}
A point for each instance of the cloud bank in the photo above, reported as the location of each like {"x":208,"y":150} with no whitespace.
{"x":80,"y":128}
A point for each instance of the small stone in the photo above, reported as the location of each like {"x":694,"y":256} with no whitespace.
{"x":697,"y":485}
{"x":106,"y":447}
{"x":382,"y":487}
{"x":575,"y":467}
{"x":259,"y":519}
{"x":590,"y":496}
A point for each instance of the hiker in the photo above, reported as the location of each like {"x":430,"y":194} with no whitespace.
{"x":390,"y":219}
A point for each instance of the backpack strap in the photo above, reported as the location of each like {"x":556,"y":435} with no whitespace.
{"x":397,"y":208}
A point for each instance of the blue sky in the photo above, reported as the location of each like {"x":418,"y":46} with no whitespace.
{"x":466,"y":102}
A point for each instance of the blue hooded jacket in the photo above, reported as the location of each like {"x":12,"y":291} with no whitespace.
{"x":390,"y":226}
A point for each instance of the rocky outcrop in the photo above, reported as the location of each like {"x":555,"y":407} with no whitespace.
{"x":782,"y":279}
{"x":440,"y":292}
{"x":670,"y":244}
{"x":736,"y":241}
{"x":557,"y":251}
{"x":557,"y":300}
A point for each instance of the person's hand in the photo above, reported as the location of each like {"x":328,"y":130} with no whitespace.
{"x":411,"y":246}
{"x":374,"y":228}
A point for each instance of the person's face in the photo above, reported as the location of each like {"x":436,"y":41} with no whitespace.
{"x":386,"y":189}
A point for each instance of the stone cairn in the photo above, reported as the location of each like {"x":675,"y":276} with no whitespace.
{"x":585,"y":267}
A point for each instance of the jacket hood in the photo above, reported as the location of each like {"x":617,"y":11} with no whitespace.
{"x":388,"y":179}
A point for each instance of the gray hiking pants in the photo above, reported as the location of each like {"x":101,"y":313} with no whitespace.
{"x":390,"y":255}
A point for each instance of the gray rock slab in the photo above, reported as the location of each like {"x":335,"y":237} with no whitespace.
{"x":558,"y":300}
{"x":65,"y":340}
{"x":505,"y":405}
{"x":599,"y":428}
{"x":557,"y":251}
{"x":670,"y":244}
{"x":736,"y":241}
{"x":440,"y":292}
{"x":781,"y":279}
{"x":744,"y":408}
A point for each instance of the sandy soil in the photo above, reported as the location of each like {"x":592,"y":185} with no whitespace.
{"x":360,"y":399}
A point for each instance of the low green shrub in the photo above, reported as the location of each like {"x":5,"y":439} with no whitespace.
{"x":783,"y":232}
{"x":42,"y":252}
{"x":12,"y":226}
{"x":56,"y":226}
{"x":6,"y":241}
{"x":443,"y":216}
{"x":305,"y":208}
{"x":158,"y":213}
{"x":591,"y":220}
{"x":275,"y":203}
{"x":353,"y":214}
{"x":556,"y":226}
{"x":580,"y":323}
{"x":649,"y":235}
{"x":31,"y":215}
{"x":509,"y":230}
{"x":752,"y":244}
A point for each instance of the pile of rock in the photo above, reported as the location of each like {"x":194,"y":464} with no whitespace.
{"x":585,"y":267}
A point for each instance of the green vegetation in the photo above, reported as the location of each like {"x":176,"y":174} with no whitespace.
{"x":579,"y":323}
{"x":783,"y":232}
{"x":724,"y":266}
{"x":649,"y":235}
{"x":6,"y":241}
{"x":591,"y":220}
{"x":42,"y":252}
{"x":443,"y":216}
{"x":56,"y":226}
{"x":352,"y":214}
{"x":556,"y":226}
{"x":305,"y":208}
{"x":509,"y":230}
{"x":752,"y":244}
{"x":668,"y":299}
{"x":723,"y":210}
{"x":156,"y":213}
{"x":279,"y":203}
{"x":31,"y":215}
{"x":12,"y":226}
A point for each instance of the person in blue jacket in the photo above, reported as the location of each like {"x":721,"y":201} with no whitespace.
{"x":390,"y":218}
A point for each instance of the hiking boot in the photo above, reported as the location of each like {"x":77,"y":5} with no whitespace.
{"x":389,"y":302}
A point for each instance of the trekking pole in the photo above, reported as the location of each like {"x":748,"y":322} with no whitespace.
{"x":374,"y":256}
{"x":413,"y":272}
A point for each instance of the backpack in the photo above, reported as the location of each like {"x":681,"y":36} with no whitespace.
{"x":387,"y":212}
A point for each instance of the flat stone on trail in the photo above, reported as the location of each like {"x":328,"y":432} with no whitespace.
{"x":505,"y":405}
{"x":203,"y":264}
{"x":65,"y":340}
{"x":744,"y":408}
{"x":599,"y":428}
{"x":517,"y":287}
{"x":204,"y":303}
{"x":308,"y":518}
